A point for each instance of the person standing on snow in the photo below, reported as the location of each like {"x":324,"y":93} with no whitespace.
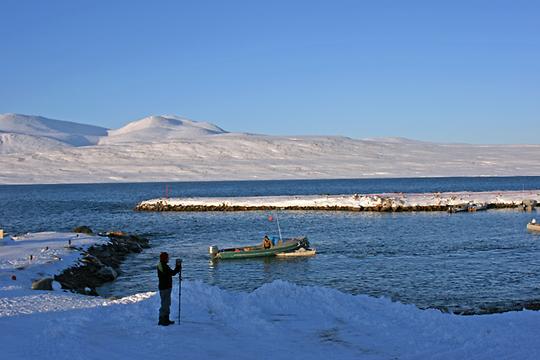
{"x":165,"y":275}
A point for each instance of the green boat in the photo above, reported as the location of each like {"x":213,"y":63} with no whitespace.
{"x":245,"y":252}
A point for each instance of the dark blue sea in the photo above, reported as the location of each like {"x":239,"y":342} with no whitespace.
{"x":431,"y":259}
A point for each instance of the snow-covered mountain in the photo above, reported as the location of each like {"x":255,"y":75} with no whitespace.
{"x":171,"y":148}
{"x":13,"y":143}
{"x":160,"y":128}
{"x":39,"y":130}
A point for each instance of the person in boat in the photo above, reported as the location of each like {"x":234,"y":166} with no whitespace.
{"x":165,"y":275}
{"x":267,"y":243}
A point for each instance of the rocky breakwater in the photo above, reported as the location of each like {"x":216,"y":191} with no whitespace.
{"x":100,"y":263}
{"x":388,"y":202}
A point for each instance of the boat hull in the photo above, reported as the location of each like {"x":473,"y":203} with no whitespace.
{"x":257,"y":251}
{"x":533,"y":227}
{"x":302,"y":252}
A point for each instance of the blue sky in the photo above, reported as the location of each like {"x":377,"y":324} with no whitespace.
{"x":445,"y":71}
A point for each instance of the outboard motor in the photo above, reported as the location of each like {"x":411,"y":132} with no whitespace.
{"x":213,"y":251}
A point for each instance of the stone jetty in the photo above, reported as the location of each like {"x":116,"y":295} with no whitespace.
{"x":100,"y":263}
{"x":387,"y":202}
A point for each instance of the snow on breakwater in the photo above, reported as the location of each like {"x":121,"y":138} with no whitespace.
{"x":354,"y":202}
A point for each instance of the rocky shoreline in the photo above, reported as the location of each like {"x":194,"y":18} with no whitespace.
{"x":493,"y":308}
{"x":100,"y":263}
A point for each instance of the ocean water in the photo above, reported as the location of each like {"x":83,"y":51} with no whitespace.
{"x":431,"y":259}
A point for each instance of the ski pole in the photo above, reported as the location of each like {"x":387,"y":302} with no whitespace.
{"x":179,"y":263}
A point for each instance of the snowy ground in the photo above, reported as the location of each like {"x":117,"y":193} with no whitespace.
{"x":169,"y":148}
{"x":357,"y":200}
{"x":277,"y":321}
{"x":39,"y":255}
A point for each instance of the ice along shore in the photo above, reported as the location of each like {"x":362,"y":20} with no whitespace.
{"x":390,"y":202}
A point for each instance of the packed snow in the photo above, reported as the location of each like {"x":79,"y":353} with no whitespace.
{"x":171,"y":148}
{"x":511,"y":198}
{"x":279,"y":320}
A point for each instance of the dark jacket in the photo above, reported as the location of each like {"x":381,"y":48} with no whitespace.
{"x":165,"y":274}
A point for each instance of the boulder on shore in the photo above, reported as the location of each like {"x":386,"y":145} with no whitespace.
{"x":83,"y":229}
{"x":107,"y":273}
{"x":43,"y":284}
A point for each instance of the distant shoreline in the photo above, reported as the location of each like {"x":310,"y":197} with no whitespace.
{"x":262,"y":180}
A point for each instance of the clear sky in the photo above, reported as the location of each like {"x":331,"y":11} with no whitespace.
{"x":445,"y":71}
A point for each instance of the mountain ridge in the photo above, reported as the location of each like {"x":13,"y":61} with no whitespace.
{"x":68,"y":132}
{"x":172,"y":148}
{"x":162,"y":127}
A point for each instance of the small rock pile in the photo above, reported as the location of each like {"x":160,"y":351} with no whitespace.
{"x":100,"y":263}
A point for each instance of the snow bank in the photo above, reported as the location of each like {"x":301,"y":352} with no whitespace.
{"x":279,"y":320}
{"x":390,"y":201}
